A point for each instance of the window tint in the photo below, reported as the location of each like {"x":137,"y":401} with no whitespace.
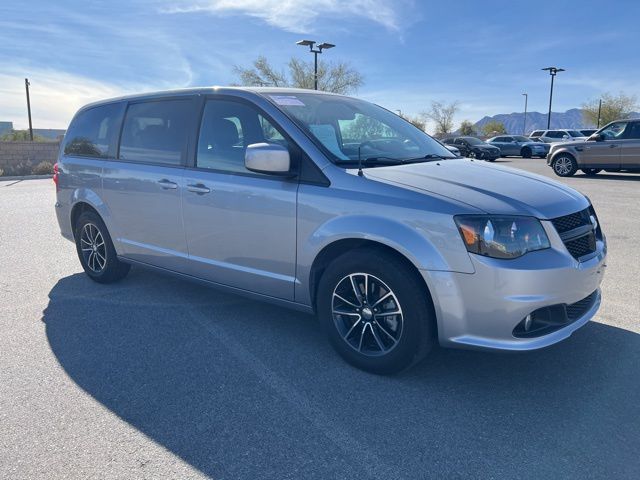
{"x":633,"y":131}
{"x":227,"y":129}
{"x":155,"y":132}
{"x":555,"y":134}
{"x":93,"y":132}
{"x":537,"y":133}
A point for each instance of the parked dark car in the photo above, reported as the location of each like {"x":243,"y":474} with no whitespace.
{"x":472,"y":147}
{"x":519,"y":145}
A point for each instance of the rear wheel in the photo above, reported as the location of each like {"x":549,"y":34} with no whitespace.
{"x":95,"y":250}
{"x":564,"y":165}
{"x":591,"y":171}
{"x":526,"y":152}
{"x":376,"y":311}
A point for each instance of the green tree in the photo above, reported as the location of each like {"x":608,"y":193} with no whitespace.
{"x":332,"y":77}
{"x":493,"y":127}
{"x":22,"y":136}
{"x":614,"y":107}
{"x":467,"y":128}
{"x":442,"y":113}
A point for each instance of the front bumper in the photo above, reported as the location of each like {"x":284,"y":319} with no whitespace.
{"x":487,"y":154}
{"x":481,"y":310}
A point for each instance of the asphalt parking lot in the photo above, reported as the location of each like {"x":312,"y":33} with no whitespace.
{"x":156,"y":378}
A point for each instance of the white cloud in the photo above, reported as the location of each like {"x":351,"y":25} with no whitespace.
{"x":55,"y":96}
{"x":298,"y":15}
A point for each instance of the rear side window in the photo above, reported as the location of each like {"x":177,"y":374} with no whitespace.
{"x":94,"y":132}
{"x":156,"y":132}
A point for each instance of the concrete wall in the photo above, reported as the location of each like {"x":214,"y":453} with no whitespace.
{"x":18,"y":158}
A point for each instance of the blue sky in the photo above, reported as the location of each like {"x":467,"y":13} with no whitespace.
{"x":482,"y":54}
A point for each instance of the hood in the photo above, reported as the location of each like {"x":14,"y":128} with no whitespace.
{"x":572,"y":143}
{"x":484,"y":147}
{"x":486,"y":187}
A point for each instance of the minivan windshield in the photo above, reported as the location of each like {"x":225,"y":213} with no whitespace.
{"x":349,"y":130}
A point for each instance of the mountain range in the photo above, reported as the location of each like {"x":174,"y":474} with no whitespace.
{"x":514,"y":122}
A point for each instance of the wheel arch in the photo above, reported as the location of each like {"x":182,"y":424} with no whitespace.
{"x":339,"y":247}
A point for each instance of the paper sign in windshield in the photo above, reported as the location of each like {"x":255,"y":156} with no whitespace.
{"x":288,"y":100}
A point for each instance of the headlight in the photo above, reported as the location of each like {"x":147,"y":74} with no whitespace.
{"x":501,"y":236}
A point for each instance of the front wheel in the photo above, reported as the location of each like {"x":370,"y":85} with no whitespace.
{"x":376,"y":311}
{"x":564,"y":165}
{"x":95,"y":250}
{"x":591,"y":171}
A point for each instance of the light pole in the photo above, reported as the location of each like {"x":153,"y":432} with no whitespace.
{"x":599,"y":112}
{"x":552,"y":71}
{"x":524,"y":124}
{"x":315,"y":51}
{"x":26,"y":86}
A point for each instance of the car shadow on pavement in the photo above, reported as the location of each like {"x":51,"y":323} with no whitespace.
{"x":611,"y":176}
{"x":240,"y":389}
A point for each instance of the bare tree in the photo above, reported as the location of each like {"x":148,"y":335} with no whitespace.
{"x":416,"y":121}
{"x":332,"y":77}
{"x":442,"y":115}
{"x":614,"y":107}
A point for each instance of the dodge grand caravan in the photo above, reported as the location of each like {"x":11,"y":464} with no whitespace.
{"x":333,"y":206}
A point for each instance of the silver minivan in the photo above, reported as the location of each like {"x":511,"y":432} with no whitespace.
{"x":334,"y":206}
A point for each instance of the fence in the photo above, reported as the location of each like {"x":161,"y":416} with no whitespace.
{"x":19,"y":158}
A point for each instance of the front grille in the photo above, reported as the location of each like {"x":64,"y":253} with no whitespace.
{"x":579,"y":242}
{"x":569,"y":222}
{"x":578,"y":309}
{"x":582,"y":246}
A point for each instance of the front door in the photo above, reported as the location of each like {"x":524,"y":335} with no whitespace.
{"x":142,"y":187}
{"x":240,"y":226}
{"x":605,"y":153}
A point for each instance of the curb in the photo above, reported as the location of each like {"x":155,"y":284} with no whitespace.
{"x":25,"y":177}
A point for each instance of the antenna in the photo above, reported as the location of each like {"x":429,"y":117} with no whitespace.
{"x":359,"y":162}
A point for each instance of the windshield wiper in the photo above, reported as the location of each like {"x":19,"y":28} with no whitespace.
{"x":429,"y":157}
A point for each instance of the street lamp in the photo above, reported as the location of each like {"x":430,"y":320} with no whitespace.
{"x":524,"y":124}
{"x":315,"y":51}
{"x":552,"y":71}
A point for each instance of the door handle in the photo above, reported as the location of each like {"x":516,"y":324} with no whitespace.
{"x":198,"y":188}
{"x":167,"y":184}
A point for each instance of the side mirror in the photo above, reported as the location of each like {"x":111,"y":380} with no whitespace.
{"x":565,"y":137}
{"x":596,"y":137}
{"x":268,"y":158}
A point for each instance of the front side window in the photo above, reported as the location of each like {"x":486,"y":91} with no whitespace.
{"x":575,"y":133}
{"x":613,"y":131}
{"x":227,"y":128}
{"x":93,"y":132}
{"x":155,"y":132}
{"x":348,"y":129}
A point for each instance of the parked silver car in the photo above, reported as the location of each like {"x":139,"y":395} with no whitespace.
{"x":560,"y":135}
{"x":332,"y":205}
{"x":518,"y":145}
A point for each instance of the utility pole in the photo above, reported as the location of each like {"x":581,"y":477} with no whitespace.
{"x":599,"y":112}
{"x":26,"y":86}
{"x":552,"y":71}
{"x":524,"y":124}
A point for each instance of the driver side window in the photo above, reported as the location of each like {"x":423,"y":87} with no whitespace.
{"x":614,"y":131}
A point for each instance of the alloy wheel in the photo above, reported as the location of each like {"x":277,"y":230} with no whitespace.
{"x":94,"y":250}
{"x":367,"y":314}
{"x":563,"y":165}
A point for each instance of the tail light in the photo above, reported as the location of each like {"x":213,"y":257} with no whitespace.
{"x":55,"y":175}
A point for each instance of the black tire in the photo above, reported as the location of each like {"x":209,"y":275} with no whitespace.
{"x":591,"y":172}
{"x":408,"y":336}
{"x":526,"y":152}
{"x":99,"y":259}
{"x":564,"y":165}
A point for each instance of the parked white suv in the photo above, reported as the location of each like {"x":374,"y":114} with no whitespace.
{"x":553,"y":136}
